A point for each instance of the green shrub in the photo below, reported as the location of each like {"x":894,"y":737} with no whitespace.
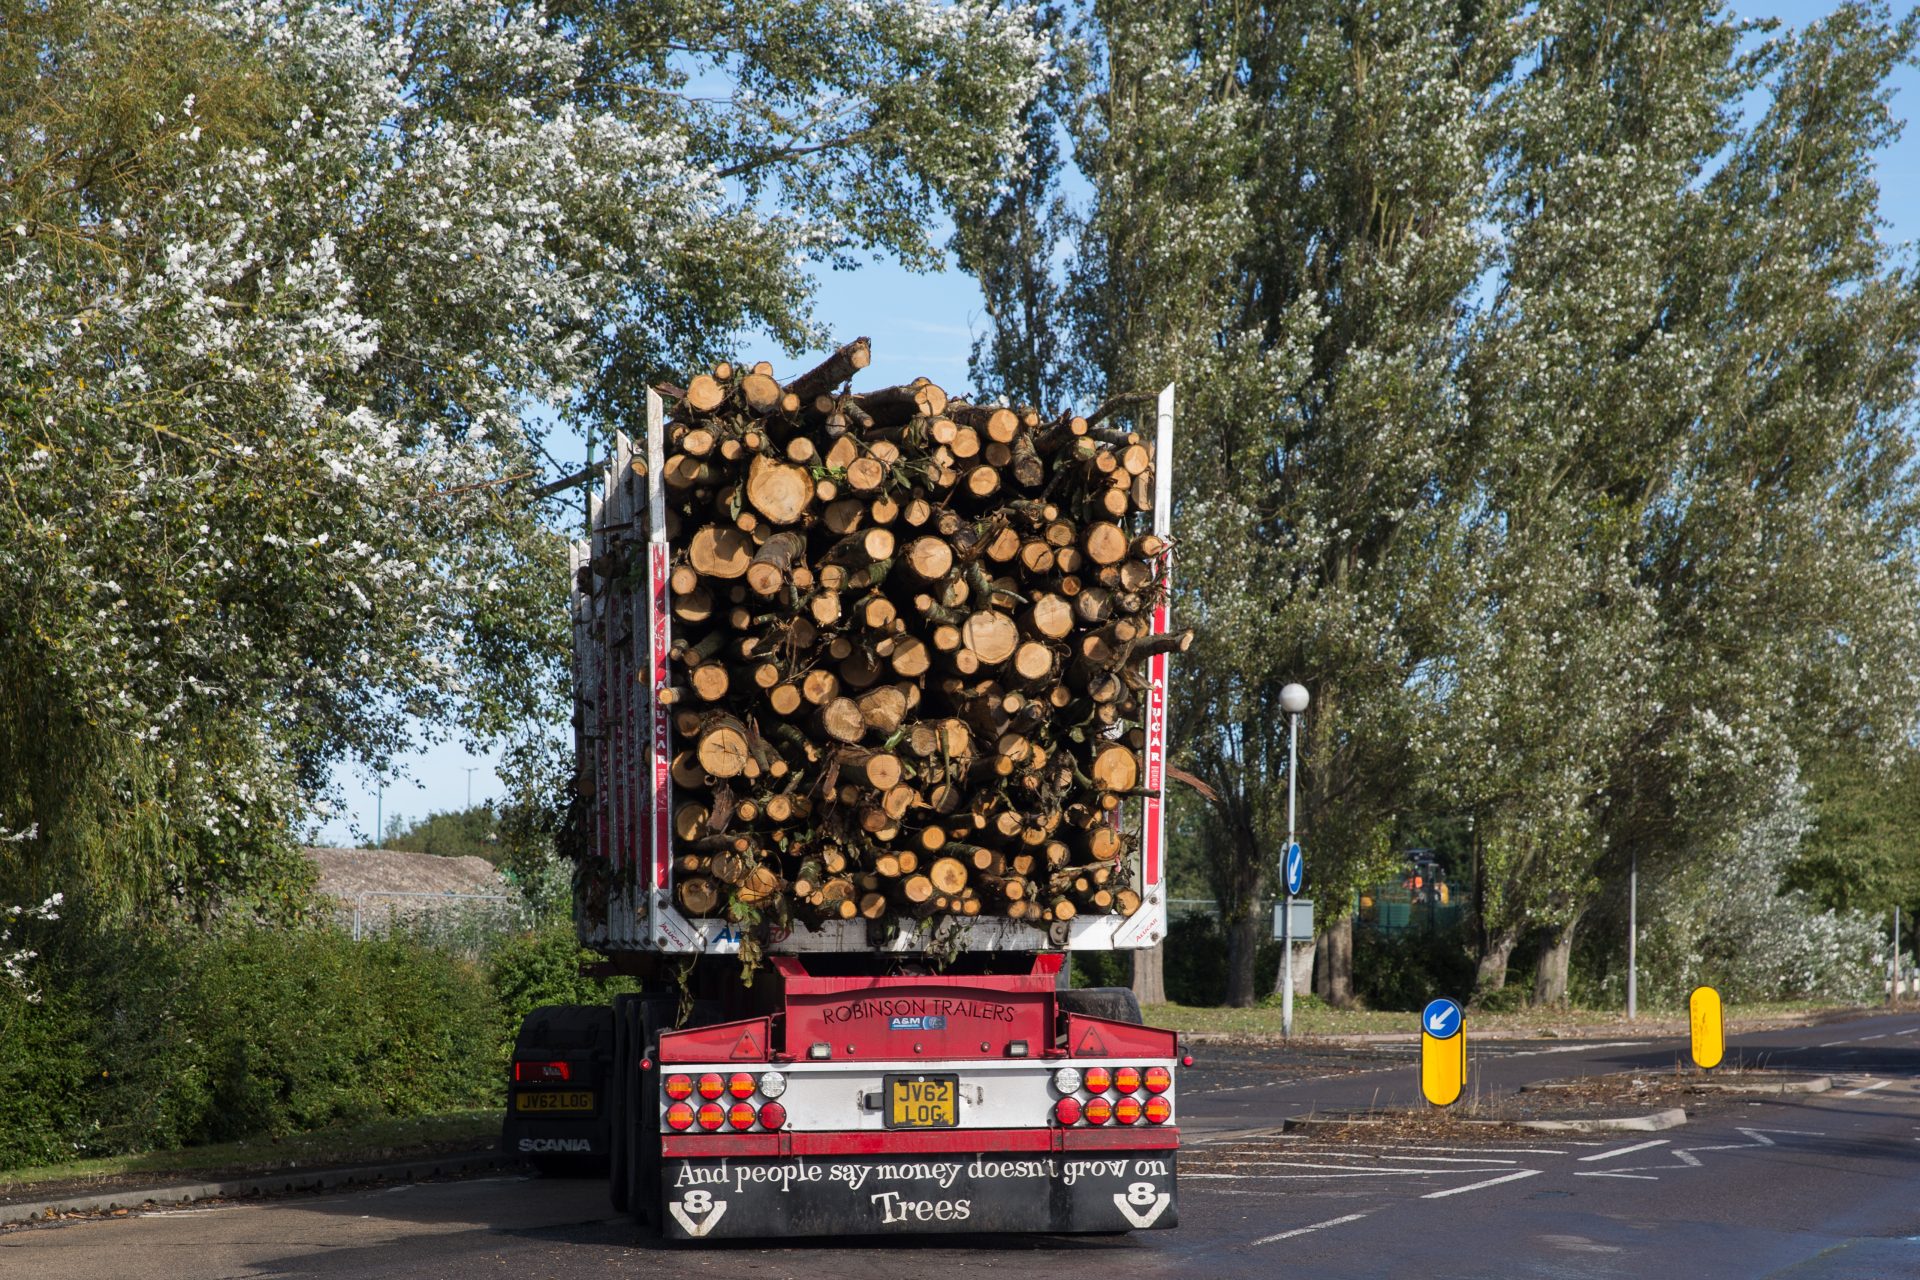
{"x":167,"y":1040}
{"x":540,"y":967}
{"x":1406,"y":969}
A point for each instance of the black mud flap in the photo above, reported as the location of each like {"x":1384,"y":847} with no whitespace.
{"x":709,"y":1199}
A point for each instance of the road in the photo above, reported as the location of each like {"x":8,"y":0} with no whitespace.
{"x":1809,"y":1186}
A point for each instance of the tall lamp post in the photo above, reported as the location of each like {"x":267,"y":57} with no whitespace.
{"x":1293,"y":700}
{"x":1633,"y":936}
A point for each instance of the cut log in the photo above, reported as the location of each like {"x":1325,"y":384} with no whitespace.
{"x":834,"y":371}
{"x":1104,"y":543}
{"x":721,"y":746}
{"x":780,"y":491}
{"x":992,"y":637}
{"x":705,"y":394}
{"x":840,"y":720}
{"x":1114,"y":768}
{"x":929,"y":557}
{"x":720,"y":551}
{"x":698,"y":896}
{"x":772,"y":565}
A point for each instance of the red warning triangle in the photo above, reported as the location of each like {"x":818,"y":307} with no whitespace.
{"x":1091,"y":1044}
{"x":747,"y":1047}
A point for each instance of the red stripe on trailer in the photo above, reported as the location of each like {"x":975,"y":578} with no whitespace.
{"x":927,"y":1142}
{"x":662,"y":727}
{"x":1153,"y":811}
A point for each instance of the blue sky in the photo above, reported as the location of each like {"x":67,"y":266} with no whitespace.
{"x":922,"y":325}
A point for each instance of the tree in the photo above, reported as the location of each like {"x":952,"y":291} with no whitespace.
{"x":279,"y":287}
{"x":1285,"y":218}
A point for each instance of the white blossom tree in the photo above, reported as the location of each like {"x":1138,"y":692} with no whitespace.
{"x":283,"y":286}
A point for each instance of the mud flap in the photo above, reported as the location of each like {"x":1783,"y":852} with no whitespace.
{"x":1093,"y":1191}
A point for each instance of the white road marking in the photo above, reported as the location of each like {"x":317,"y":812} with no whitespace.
{"x":1622,"y":1151}
{"x":1687,"y":1158}
{"x":1831,"y":1043}
{"x":1300,"y":1231}
{"x":1453,"y":1159}
{"x":1580,"y":1048}
{"x":1607,"y":1173}
{"x":1866,"y":1088}
{"x":1309,"y":1177}
{"x":1882,"y":1036}
{"x":1475,"y":1186}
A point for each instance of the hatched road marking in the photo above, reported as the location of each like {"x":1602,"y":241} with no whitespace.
{"x":1301,"y":1231}
{"x":1475,"y":1186}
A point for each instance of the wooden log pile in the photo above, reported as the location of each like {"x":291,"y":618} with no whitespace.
{"x":908,"y":654}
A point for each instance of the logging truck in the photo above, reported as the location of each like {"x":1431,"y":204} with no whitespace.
{"x":870,"y":721}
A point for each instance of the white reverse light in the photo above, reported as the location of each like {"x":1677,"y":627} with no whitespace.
{"x":1067,"y":1080}
{"x":772,"y":1084}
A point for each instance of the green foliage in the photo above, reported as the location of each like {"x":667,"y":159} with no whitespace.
{"x":291,"y":297}
{"x":165,"y":1039}
{"x":1407,"y":968}
{"x":542,"y":967}
{"x":455,"y":834}
{"x":1547,"y":396}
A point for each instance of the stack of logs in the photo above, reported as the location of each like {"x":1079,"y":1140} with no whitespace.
{"x":907,"y":657}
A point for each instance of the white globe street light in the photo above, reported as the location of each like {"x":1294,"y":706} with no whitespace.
{"x":1293,"y":700}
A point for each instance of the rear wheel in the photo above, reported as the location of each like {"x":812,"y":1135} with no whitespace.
{"x":625,"y":1056}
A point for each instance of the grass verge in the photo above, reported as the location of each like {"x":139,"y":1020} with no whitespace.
{"x":1311,"y":1018}
{"x":370,"y":1142}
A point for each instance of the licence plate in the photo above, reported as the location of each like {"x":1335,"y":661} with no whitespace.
{"x":571,"y":1100}
{"x":923,"y":1102}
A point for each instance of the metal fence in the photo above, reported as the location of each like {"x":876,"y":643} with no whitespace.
{"x":459,"y":921}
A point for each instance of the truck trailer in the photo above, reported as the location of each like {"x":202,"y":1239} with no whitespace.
{"x":870,"y":1074}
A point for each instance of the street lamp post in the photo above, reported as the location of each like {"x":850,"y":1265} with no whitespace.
{"x":1293,"y":700}
{"x":1633,"y":936}
{"x":470,"y":772}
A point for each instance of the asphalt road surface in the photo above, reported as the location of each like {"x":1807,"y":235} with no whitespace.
{"x":1803,"y":1186}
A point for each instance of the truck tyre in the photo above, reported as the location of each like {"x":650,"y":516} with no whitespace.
{"x":617,"y":1107}
{"x":1115,"y":1004}
{"x":643,"y":1124}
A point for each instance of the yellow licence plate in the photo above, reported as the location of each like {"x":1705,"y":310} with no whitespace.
{"x":573,"y":1100}
{"x":923,"y":1102}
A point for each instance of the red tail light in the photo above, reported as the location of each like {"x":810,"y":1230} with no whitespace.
{"x":1158,"y":1110}
{"x":772,"y":1116}
{"x":740,"y":1115}
{"x":741,"y":1085}
{"x":1159,"y":1079}
{"x":541,"y":1073}
{"x":1067,"y":1111}
{"x":711,"y":1085}
{"x":680,"y":1116}
{"x":1126,"y":1111}
{"x":712,"y":1116}
{"x":1098,"y":1111}
{"x":678,"y":1087}
{"x":1098,"y":1079}
{"x":1127,"y":1079}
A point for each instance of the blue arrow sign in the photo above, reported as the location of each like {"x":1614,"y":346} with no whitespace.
{"x":1296,"y":868}
{"x":1441,"y":1019}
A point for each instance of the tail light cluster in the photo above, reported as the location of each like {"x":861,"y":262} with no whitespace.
{"x":542,"y":1072}
{"x":1136,"y":1095}
{"x":724,"y":1101}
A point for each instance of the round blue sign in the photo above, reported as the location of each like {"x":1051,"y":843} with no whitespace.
{"x":1442,"y":1019}
{"x":1295,"y":865}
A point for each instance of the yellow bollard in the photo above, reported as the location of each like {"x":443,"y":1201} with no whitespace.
{"x":1708,"y":1027}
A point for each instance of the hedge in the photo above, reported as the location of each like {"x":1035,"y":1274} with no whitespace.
{"x":170,"y":1040}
